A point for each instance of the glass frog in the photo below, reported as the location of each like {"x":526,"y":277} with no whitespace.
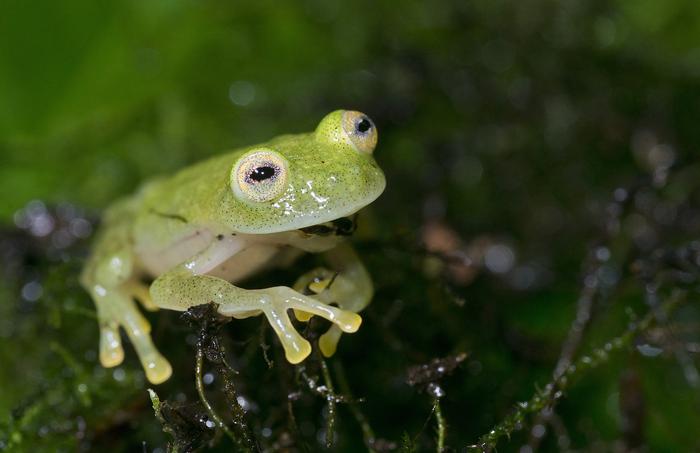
{"x":213,"y":224}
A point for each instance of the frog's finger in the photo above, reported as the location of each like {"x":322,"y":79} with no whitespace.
{"x":156,"y":366}
{"x":296,"y":348}
{"x":111,"y":351}
{"x":328,"y":342}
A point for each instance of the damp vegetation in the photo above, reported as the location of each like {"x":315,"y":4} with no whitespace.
{"x":536,"y":255}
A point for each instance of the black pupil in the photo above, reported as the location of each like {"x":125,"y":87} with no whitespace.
{"x":262,"y":173}
{"x":364,"y":125}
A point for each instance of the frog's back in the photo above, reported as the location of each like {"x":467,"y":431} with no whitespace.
{"x":192,"y":192}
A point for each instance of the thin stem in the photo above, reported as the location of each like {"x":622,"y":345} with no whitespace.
{"x":294,"y":427}
{"x":441,"y":426}
{"x":367,"y":431}
{"x":202,"y":397}
{"x":331,"y":399}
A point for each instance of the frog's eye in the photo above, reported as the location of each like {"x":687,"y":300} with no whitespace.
{"x":360,"y":130}
{"x":260,"y":175}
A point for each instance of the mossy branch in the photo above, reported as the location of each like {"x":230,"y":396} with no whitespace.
{"x":554,"y":390}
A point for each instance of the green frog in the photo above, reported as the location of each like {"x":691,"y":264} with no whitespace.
{"x":211,"y":225}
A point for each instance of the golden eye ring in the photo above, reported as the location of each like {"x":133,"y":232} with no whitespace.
{"x":360,"y":130}
{"x":259,"y":176}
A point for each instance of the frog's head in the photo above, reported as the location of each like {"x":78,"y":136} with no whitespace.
{"x":299,"y":181}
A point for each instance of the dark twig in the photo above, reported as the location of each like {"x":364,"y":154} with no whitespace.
{"x":327,"y":392}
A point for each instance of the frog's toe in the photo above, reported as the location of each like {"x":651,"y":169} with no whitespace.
{"x":296,"y":353}
{"x":138,"y":329}
{"x":111,"y":351}
{"x":328,"y":343}
{"x":157,"y":368}
{"x":302,"y":316}
{"x":296,"y":348}
{"x":346,"y":320}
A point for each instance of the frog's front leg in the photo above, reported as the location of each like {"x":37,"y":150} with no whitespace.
{"x":109,"y":280}
{"x":348,"y":284}
{"x":188,"y":285}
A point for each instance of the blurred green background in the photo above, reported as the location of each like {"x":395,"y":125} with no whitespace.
{"x":505,"y":130}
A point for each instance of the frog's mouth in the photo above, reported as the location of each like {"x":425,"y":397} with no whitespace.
{"x":344,"y":226}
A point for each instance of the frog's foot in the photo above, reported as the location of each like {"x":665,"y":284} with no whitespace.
{"x":275,"y":303}
{"x":330,"y":287}
{"x":315,"y":283}
{"x":116,"y":309}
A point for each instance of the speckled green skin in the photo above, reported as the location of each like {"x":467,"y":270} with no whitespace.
{"x":346,"y":178}
{"x":195,"y":235}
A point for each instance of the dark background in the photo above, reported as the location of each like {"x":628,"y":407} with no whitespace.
{"x":541,"y":165}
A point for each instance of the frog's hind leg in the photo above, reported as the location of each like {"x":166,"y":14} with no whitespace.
{"x":349,"y":287}
{"x":320,"y":284}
